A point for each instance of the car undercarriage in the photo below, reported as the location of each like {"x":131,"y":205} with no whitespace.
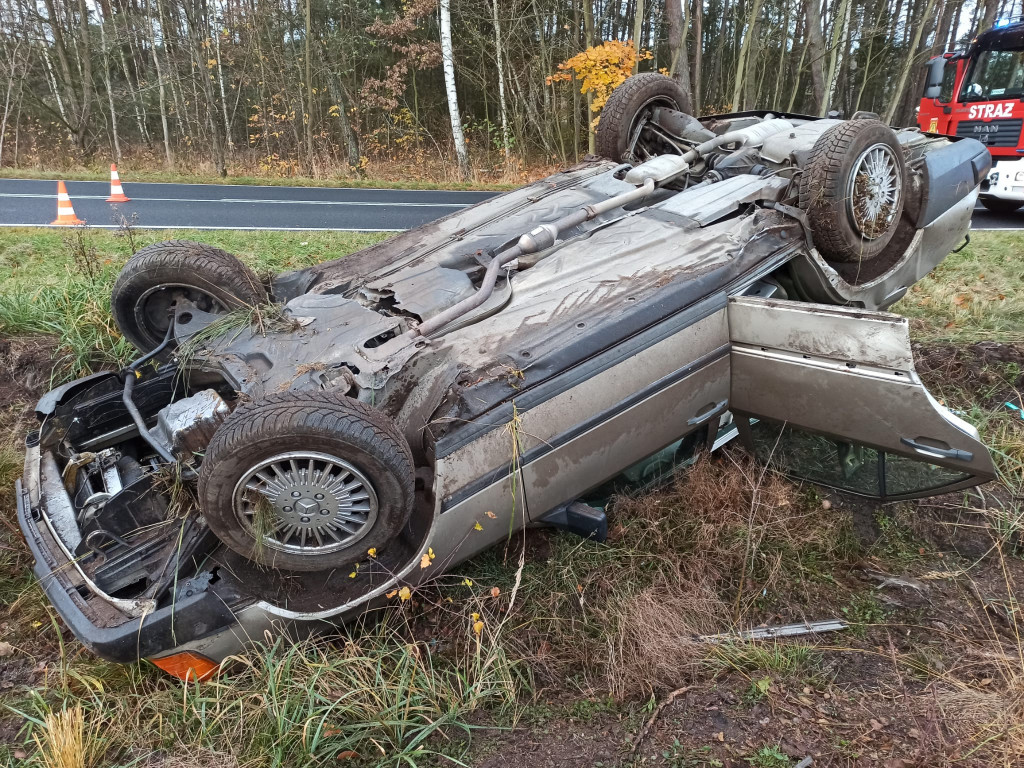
{"x":285,"y":449}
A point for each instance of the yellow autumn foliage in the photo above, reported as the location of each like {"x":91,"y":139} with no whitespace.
{"x":600,"y":69}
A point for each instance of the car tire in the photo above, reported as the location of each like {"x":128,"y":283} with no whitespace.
{"x":283,"y":480}
{"x":627,"y":103}
{"x":159,"y":274}
{"x":997,"y":205}
{"x":853,"y":189}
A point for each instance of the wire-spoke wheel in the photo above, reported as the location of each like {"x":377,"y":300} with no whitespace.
{"x":306,"y":481}
{"x":853,"y":188}
{"x":874,"y":191}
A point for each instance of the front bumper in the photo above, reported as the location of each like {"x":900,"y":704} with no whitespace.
{"x":101,"y":627}
{"x":1006,"y":180}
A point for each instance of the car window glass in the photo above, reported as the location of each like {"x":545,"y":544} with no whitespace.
{"x":817,"y":458}
{"x":651,"y":472}
{"x":906,"y":475}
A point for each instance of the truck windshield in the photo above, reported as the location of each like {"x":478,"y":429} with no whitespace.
{"x":995,"y":75}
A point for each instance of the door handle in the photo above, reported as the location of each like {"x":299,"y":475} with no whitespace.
{"x":714,"y":410}
{"x":942,"y":453}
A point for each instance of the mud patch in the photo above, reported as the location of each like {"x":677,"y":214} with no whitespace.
{"x":992,"y":372}
{"x":27,"y":365}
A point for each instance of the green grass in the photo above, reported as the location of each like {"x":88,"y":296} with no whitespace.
{"x":129,"y":174}
{"x":58,"y":282}
{"x":377,"y":695}
{"x":972,"y":295}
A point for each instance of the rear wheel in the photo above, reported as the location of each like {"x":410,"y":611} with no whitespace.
{"x":620,"y":131}
{"x":998,"y":205}
{"x":162,"y":275}
{"x":853,"y":189}
{"x":306,"y":481}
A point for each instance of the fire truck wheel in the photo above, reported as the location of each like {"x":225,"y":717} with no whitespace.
{"x":997,"y":205}
{"x":853,"y":188}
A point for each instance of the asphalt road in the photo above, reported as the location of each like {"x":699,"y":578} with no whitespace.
{"x":27,"y":202}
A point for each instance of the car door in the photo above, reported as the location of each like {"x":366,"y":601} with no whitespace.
{"x":830,"y":394}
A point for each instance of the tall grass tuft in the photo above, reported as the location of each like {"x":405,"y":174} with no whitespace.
{"x":63,"y":741}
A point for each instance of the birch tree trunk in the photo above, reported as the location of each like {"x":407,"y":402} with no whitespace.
{"x":448,"y":62}
{"x":499,"y":55}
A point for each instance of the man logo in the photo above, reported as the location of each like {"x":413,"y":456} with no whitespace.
{"x":933,"y":126}
{"x":988,"y":111}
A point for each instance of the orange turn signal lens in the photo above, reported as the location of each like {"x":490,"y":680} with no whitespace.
{"x":187,"y":666}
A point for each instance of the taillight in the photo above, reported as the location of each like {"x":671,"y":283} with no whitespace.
{"x":187,"y":666}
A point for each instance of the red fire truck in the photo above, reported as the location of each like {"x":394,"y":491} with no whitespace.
{"x":980,"y":93}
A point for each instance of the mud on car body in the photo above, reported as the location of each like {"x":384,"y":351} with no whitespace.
{"x":709,"y":277}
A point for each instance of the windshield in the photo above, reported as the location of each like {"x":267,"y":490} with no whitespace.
{"x":995,"y":75}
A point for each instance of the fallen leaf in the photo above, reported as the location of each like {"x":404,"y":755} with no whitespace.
{"x":490,"y":514}
{"x":391,"y":594}
{"x":474,"y":616}
{"x":478,"y":627}
{"x":404,"y":594}
{"x":478,"y":527}
{"x":495,"y":591}
{"x":425,"y":561}
{"x":352,"y":575}
{"x":6,"y":649}
{"x":468,"y":582}
{"x":720,"y":736}
{"x":348,"y":754}
{"x":372,"y":551}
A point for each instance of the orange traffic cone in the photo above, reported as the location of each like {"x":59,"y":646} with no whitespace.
{"x":65,"y":211}
{"x":117,"y":194}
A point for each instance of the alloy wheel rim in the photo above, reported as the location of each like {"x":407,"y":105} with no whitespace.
{"x":305,"y":502}
{"x":874,"y":191}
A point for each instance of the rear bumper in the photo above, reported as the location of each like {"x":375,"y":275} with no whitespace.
{"x":1005,"y":180}
{"x":98,"y":625}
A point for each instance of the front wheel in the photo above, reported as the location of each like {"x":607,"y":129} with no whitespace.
{"x":306,"y":481}
{"x":998,"y":205}
{"x":161,"y":275}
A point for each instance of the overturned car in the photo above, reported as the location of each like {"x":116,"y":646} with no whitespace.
{"x":283,"y":453}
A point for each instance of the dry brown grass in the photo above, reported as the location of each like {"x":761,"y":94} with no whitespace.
{"x":63,"y":741}
{"x":694,"y":559}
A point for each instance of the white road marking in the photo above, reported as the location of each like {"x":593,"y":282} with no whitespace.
{"x":245,"y":200}
{"x":193,"y":226}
